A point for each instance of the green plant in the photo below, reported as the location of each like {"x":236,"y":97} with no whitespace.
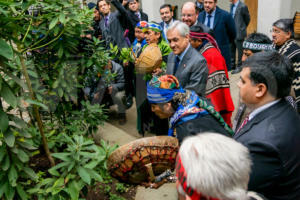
{"x":82,"y":163}
{"x":121,"y":188}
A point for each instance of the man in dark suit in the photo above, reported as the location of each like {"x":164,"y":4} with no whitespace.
{"x":223,"y":26}
{"x":189,"y":15}
{"x":240,"y":13}
{"x":166,"y":14}
{"x":185,"y":62}
{"x":111,"y":25}
{"x":271,"y":131}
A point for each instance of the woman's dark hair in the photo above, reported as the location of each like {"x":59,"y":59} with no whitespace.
{"x":272,"y":69}
{"x":286,"y":25}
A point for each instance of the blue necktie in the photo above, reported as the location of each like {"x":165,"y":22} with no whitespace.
{"x":208,"y":20}
{"x":106,"y":21}
{"x":177,"y":61}
{"x":231,"y":10}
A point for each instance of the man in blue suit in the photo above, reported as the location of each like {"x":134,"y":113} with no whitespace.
{"x":223,"y":26}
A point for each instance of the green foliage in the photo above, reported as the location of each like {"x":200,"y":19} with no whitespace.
{"x":15,"y":150}
{"x":121,"y":188}
{"x":126,"y":55}
{"x":82,"y":163}
{"x":42,"y":37}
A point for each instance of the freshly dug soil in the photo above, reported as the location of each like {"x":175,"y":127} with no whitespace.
{"x":109,"y":191}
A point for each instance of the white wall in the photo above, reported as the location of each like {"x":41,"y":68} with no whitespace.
{"x":271,"y":10}
{"x":151,"y":7}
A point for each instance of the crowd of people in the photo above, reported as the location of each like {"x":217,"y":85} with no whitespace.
{"x":259,"y":150}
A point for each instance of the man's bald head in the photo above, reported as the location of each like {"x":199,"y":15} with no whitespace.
{"x":189,"y":14}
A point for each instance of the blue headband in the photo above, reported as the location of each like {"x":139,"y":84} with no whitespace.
{"x":160,"y":95}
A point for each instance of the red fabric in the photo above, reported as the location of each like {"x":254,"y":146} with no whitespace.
{"x":221,"y":97}
{"x":182,"y":179}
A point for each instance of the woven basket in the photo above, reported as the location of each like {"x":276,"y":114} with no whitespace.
{"x":130,"y":163}
{"x":149,"y":59}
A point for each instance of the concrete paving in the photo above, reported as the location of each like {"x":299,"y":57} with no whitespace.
{"x":123,"y":134}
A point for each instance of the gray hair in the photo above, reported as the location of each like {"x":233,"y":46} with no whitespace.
{"x":181,"y":27}
{"x":216,"y":166}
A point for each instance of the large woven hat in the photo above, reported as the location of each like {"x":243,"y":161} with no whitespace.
{"x":149,"y":59}
{"x":141,"y":160}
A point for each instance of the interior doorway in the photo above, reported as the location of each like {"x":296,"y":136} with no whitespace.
{"x":252,"y":6}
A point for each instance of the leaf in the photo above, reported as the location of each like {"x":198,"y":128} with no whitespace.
{"x":59,"y":182}
{"x":8,"y":95}
{"x":95,"y":175}
{"x":55,"y":84}
{"x":62,"y":156}
{"x":30,"y":173}
{"x":6,"y":163}
{"x":53,"y":23}
{"x":73,"y":190}
{"x":37,"y":103}
{"x":32,"y":73}
{"x":60,"y":51}
{"x":9,"y":138}
{"x":22,"y":193}
{"x":9,"y":193}
{"x":92,"y":164}
{"x":6,"y":50}
{"x":13,"y":176}
{"x":3,"y":121}
{"x":62,"y":18}
{"x":23,"y":156}
{"x":53,"y":172}
{"x":60,"y":92}
{"x":84,"y":175}
{"x":3,"y":188}
{"x":2,"y":153}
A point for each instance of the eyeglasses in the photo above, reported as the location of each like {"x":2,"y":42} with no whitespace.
{"x":275,"y":31}
{"x":187,"y":15}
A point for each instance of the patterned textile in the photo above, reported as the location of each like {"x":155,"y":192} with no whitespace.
{"x":257,"y":46}
{"x":142,"y":24}
{"x":162,"y":89}
{"x":190,"y":106}
{"x":292,"y":50}
{"x":204,"y":36}
{"x":217,"y":87}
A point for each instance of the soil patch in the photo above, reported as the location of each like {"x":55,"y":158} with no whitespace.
{"x":112,"y":191}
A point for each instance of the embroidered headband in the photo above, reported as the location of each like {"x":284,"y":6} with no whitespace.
{"x":205,"y":36}
{"x":152,"y":26}
{"x":257,"y":46}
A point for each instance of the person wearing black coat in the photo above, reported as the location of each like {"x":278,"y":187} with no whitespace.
{"x":271,"y":131}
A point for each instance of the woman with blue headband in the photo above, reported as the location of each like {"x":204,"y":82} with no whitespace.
{"x":154,"y":34}
{"x":188,"y":114}
{"x":146,"y":120}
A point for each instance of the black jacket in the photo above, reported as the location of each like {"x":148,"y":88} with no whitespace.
{"x":202,"y":124}
{"x":273,"y":139}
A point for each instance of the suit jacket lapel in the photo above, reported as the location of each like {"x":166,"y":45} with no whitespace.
{"x":217,"y":17}
{"x":237,"y":9}
{"x":184,"y":60}
{"x":258,"y":118}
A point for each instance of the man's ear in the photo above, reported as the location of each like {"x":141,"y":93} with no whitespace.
{"x":261,"y":90}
